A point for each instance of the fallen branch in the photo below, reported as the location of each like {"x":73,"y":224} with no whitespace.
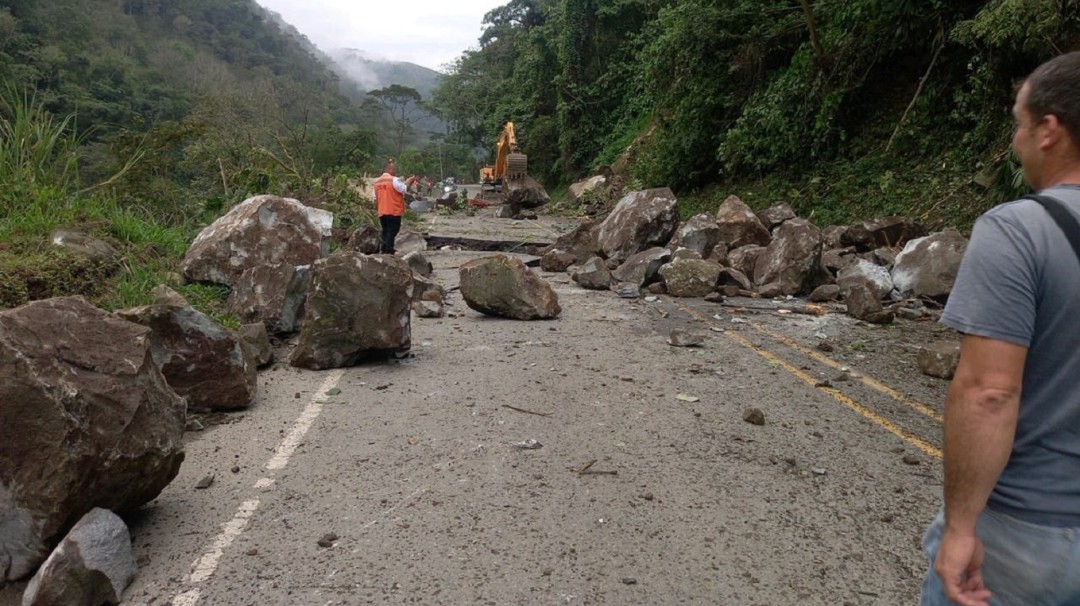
{"x":529,"y":412}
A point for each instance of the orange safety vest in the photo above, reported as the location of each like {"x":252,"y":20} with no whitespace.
{"x":388,"y":201}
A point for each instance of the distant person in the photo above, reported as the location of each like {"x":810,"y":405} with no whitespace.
{"x":390,"y":205}
{"x":1009,"y":533}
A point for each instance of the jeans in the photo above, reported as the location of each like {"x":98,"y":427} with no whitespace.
{"x":391,"y":225}
{"x":1025,"y":565}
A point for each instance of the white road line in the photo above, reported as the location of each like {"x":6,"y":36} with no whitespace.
{"x":204,"y":567}
{"x":296,"y":434}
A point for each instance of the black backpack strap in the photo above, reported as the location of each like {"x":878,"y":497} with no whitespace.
{"x":1064,"y":219}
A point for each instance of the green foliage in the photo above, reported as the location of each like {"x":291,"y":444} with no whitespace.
{"x":38,"y":156}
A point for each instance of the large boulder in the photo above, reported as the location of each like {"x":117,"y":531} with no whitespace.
{"x":201,"y":360}
{"x":739,"y":226}
{"x":700,"y":234}
{"x":865,"y":273}
{"x":530,"y":194}
{"x":791,"y":260}
{"x":256,"y":342}
{"x":358,"y":307}
{"x":365,"y":240}
{"x":883,"y":232}
{"x":775,"y":215}
{"x":642,"y":268}
{"x":690,"y":277}
{"x":745,"y":258}
{"x":556,"y":260}
{"x":273,"y":294}
{"x":86,"y":420}
{"x":419,"y":264}
{"x":864,"y":304}
{"x":927,"y":266}
{"x":264,"y":230}
{"x":580,"y":242}
{"x":502,"y":286}
{"x":408,"y":241}
{"x":593,"y":275}
{"x":91,"y":566}
{"x":587,"y":185}
{"x":641,"y":219}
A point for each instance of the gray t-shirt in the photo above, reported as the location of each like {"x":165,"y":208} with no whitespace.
{"x":1020,"y":282}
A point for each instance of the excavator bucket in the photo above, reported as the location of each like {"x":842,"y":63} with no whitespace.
{"x":517,"y":166}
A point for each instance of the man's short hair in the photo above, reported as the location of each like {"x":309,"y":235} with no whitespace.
{"x":1054,"y":89}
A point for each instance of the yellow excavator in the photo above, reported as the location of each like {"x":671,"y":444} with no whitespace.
{"x":510,"y":166}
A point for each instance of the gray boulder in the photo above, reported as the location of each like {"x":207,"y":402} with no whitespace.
{"x":429,"y":298}
{"x":642,"y":268}
{"x":641,"y":219}
{"x":557,"y":260}
{"x":791,"y":260}
{"x":593,"y":275}
{"x":587,"y":185}
{"x":775,"y":215}
{"x":865,"y":273}
{"x":824,"y":293}
{"x":700,"y":234}
{"x":419,"y":264}
{"x":365,"y":240}
{"x":690,"y":277}
{"x":358,"y":307}
{"x":273,"y":294}
{"x":864,"y":304}
{"x":201,"y":360}
{"x":739,"y":226}
{"x":264,"y":230}
{"x":86,"y":420}
{"x":530,"y":194}
{"x":745,"y":258}
{"x":91,"y":566}
{"x":87,"y":246}
{"x":502,"y":286}
{"x":408,"y":241}
{"x":927,"y":266}
{"x":581,"y":241}
{"x":256,"y":342}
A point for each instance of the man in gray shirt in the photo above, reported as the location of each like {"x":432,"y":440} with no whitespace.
{"x":1010,"y":529}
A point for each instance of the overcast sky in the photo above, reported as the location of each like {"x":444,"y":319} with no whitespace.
{"x":431,"y":33}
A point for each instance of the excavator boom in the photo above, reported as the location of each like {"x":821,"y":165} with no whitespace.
{"x":511,"y":166}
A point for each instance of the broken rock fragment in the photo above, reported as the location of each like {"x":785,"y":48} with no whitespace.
{"x":940,"y":359}
{"x":91,"y":566}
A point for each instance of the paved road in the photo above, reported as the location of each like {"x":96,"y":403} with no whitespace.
{"x":649,"y":486}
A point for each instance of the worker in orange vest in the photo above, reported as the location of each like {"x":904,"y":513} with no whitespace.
{"x":390,"y":205}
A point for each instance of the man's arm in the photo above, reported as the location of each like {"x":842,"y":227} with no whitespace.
{"x":980,"y":423}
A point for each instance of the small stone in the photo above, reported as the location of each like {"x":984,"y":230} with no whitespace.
{"x":911,"y":460}
{"x":754,"y":416}
{"x":327,"y":540}
{"x":297,"y":396}
{"x":825,"y":347}
{"x":888,"y":518}
{"x":333,"y":392}
{"x":682,"y":338}
{"x":547,"y":572}
{"x":629,"y":581}
{"x":252,"y":552}
{"x":819,"y":471}
{"x":714,"y":297}
{"x":193,"y":425}
{"x":235,"y":469}
{"x":205,"y":482}
{"x":648,"y":496}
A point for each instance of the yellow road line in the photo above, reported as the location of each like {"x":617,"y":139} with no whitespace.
{"x":889,"y":426}
{"x":885,"y":389}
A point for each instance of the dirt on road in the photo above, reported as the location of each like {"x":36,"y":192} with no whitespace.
{"x":581,"y":460}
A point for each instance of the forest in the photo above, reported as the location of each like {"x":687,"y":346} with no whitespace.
{"x":142,"y":120}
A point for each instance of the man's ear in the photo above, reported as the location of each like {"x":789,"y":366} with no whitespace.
{"x":1050,"y":131}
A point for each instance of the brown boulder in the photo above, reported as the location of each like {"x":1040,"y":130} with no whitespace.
{"x":201,"y":360}
{"x":940,"y":359}
{"x":593,"y":275}
{"x":883,"y":232}
{"x":642,"y":268}
{"x":273,"y":294}
{"x":86,"y":420}
{"x":557,"y":260}
{"x":502,"y":286}
{"x":358,"y":307}
{"x":641,"y":219}
{"x":700,"y":234}
{"x":791,"y":260}
{"x":264,"y":230}
{"x":690,"y":277}
{"x":739,"y":226}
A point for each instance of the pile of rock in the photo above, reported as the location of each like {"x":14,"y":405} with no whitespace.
{"x":875,"y":267}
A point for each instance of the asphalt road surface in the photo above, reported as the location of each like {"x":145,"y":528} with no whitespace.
{"x":581,"y":460}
